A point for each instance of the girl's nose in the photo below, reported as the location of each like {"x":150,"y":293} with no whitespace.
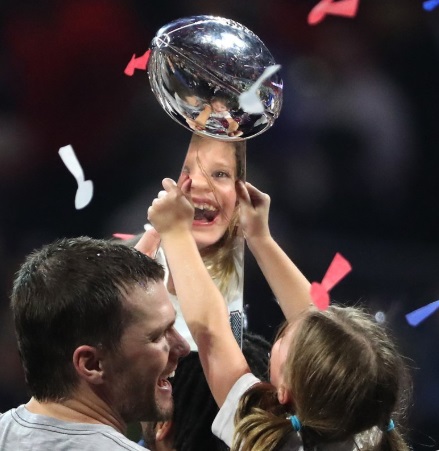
{"x":199,"y":180}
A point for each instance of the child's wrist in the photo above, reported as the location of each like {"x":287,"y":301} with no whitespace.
{"x":175,"y":232}
{"x":258,"y":240}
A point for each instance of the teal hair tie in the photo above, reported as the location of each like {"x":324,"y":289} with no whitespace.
{"x":297,"y":425}
{"x":391,"y":426}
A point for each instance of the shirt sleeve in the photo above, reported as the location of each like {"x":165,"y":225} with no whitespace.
{"x":223,"y":426}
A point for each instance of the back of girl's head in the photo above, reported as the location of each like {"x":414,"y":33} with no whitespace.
{"x":345,"y":375}
{"x":347,"y":382}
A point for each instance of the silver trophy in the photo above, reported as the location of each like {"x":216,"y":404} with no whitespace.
{"x":200,"y":66}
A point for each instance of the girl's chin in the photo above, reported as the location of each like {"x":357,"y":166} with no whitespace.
{"x":204,"y":239}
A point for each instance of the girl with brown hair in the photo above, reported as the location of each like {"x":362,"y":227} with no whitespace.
{"x":214,"y":167}
{"x":337,"y":381}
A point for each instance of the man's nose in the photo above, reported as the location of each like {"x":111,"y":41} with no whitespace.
{"x":180,"y":346}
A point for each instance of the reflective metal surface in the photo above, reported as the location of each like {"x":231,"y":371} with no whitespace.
{"x":198,"y":68}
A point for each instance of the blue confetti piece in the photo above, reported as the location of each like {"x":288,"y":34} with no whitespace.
{"x":430,"y":5}
{"x":417,"y":316}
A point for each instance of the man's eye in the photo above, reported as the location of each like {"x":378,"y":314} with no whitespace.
{"x":157,"y":338}
{"x":162,"y":335}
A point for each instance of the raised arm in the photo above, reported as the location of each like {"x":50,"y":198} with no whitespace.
{"x":289,"y":285}
{"x":202,"y":304}
{"x":149,"y":243}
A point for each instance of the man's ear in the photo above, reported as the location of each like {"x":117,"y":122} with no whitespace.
{"x":87,"y":363}
{"x":163,"y":430}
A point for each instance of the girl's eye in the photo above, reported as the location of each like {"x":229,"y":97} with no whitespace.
{"x":221,"y":174}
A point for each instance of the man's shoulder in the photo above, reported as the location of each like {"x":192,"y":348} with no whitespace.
{"x":25,"y":431}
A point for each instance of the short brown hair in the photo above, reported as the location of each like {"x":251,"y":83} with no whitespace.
{"x":70,"y":293}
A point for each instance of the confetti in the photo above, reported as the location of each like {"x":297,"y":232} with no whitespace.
{"x":345,"y":8}
{"x":430,"y":5}
{"x":84,"y":193}
{"x":338,"y":269}
{"x":137,"y":63}
{"x":123,"y":236}
{"x":249,"y":100}
{"x":319,"y":296}
{"x":417,"y":316}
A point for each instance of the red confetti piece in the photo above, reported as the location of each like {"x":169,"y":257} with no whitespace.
{"x":338,"y":269}
{"x":319,"y":296}
{"x":345,"y":8}
{"x":123,"y":236}
{"x":137,"y":63}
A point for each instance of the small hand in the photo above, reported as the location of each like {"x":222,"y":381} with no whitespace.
{"x":171,"y":210}
{"x":149,"y":243}
{"x":194,"y":125}
{"x":254,"y":206}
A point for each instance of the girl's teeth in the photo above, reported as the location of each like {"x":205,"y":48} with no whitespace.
{"x":205,"y":207}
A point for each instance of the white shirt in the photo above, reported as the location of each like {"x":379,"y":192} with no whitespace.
{"x":233,"y":297}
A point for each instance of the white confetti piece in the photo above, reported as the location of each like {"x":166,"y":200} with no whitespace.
{"x":249,"y":100}
{"x":84,"y":193}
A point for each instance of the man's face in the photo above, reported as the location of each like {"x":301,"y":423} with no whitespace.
{"x":137,"y":375}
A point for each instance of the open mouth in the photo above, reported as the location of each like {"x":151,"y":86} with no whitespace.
{"x":165,"y":383}
{"x":205,"y":213}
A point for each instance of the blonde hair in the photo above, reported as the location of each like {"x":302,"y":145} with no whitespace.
{"x":346,"y":380}
{"x":219,"y":257}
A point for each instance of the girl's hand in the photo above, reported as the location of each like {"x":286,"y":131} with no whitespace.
{"x":254,"y":206}
{"x":149,"y":243}
{"x":171,"y":211}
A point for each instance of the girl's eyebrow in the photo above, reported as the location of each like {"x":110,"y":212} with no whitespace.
{"x":224,"y":160}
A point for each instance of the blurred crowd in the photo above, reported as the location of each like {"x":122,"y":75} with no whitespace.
{"x":351,"y":164}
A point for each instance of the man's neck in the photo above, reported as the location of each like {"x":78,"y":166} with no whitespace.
{"x":78,"y":409}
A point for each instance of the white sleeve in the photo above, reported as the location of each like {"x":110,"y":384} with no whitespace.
{"x":224,"y":426}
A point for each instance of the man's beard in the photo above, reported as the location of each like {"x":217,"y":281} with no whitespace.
{"x":147,"y":409}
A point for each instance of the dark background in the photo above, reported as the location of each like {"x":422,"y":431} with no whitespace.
{"x":351,"y":164}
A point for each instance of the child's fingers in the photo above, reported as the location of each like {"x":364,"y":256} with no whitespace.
{"x":257,"y":197}
{"x":184,"y":176}
{"x":149,"y":212}
{"x":184,"y":183}
{"x":252,"y":190}
{"x":172,"y":188}
{"x":161,"y":194}
{"x":242,"y":192}
{"x":186,"y":186}
{"x":168,"y":184}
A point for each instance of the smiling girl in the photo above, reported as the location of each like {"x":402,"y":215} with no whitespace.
{"x":213,"y":166}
